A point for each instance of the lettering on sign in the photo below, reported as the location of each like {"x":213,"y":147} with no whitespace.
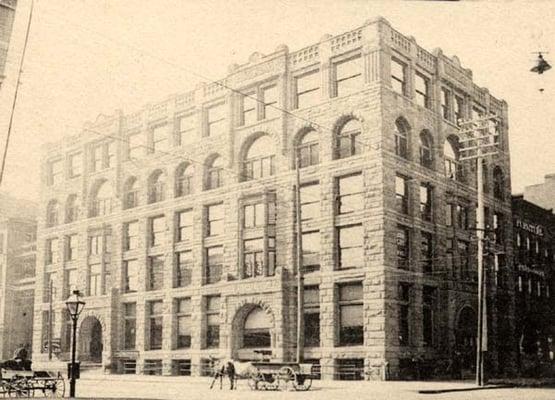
{"x":536,"y":229}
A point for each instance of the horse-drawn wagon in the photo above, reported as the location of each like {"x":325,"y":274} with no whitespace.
{"x":18,"y":380}
{"x":271,"y":375}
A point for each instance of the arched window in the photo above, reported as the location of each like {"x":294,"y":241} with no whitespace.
{"x":52,"y":213}
{"x":156,"y":187}
{"x":102,"y":200}
{"x":72,"y":209}
{"x":426,"y":149}
{"x":498,"y":183}
{"x":348,"y":139}
{"x":214,"y":173}
{"x":451,"y":156}
{"x":308,"y":151}
{"x":131,"y":193}
{"x":256,"y":331}
{"x":184,"y":180}
{"x":259,"y":160}
{"x":401,"y":138}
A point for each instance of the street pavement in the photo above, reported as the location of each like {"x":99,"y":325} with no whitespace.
{"x":156,"y":387}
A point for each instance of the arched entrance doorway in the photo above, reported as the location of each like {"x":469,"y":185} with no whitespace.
{"x":466,"y":337}
{"x":252,"y":333}
{"x":90,"y":340}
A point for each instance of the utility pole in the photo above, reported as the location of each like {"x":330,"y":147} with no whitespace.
{"x":50,"y":324}
{"x":479,"y":141}
{"x":299,"y":254}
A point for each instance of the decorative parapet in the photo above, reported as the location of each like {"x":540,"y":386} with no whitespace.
{"x":425,"y":59}
{"x":399,"y":42}
{"x":346,"y":41}
{"x":215,"y":87}
{"x":184,"y":99}
{"x":159,"y":110}
{"x":306,"y":55}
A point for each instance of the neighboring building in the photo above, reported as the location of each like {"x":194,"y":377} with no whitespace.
{"x":177,"y":221}
{"x":534,"y":242}
{"x":18,"y":229}
{"x":542,"y":194}
{"x":7,"y":15}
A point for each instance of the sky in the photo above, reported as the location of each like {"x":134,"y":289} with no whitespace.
{"x":91,"y":57}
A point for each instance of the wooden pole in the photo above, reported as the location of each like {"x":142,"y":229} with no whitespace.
{"x":300,"y":283}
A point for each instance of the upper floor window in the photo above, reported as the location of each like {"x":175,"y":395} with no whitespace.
{"x":131,"y":235}
{"x":52,"y":213}
{"x":72,"y":208}
{"x":75,"y":165}
{"x":403,"y":247}
{"x":311,"y":251}
{"x":348,"y":139}
{"x":426,"y":198}
{"x":269,"y":102}
{"x":310,"y":201}
{"x":71,"y":247}
{"x":401,"y":194}
{"x":307,"y":89}
{"x":157,"y":230}
{"x":254,"y":215}
{"x":249,"y":108}
{"x":215,"y":219}
{"x":159,"y":138}
{"x":216,"y":120}
{"x":156,"y":187}
{"x":350,"y":247}
{"x":401,"y":134}
{"x":130,"y":276}
{"x":426,"y":252}
{"x":103,"y":156}
{"x":398,"y":76}
{"x":259,"y":159}
{"x":498,"y":183}
{"x":446,"y":103}
{"x":184,"y":180}
{"x":348,"y":76}
{"x":184,"y":225}
{"x":422,"y":88}
{"x":350,"y":191}
{"x":459,"y":109}
{"x":308,"y":151}
{"x":55,"y":172}
{"x":135,"y":145}
{"x":351,"y":310}
{"x":186,"y":129}
{"x":184,"y":310}
{"x":214,"y":173}
{"x":426,"y":149}
{"x":51,"y":253}
{"x":451,"y":159}
{"x":130,"y":193}
{"x":214,"y":258}
{"x":102,"y":199}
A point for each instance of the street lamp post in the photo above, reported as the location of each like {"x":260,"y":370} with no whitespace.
{"x":74,"y":306}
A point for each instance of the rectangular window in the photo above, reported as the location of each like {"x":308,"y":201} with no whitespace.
{"x":426,"y":196}
{"x":160,"y":138}
{"x":97,"y":157}
{"x":212,"y":322}
{"x":270,"y":101}
{"x":254,"y":215}
{"x":215,"y":219}
{"x":308,"y":89}
{"x":403,"y":247}
{"x":249,"y":109}
{"x":459,"y":109}
{"x":51,"y":256}
{"x":253,"y":256}
{"x":95,"y":279}
{"x":157,"y":230}
{"x":348,"y":76}
{"x":351,"y":319}
{"x":95,"y":244}
{"x":71,"y":247}
{"x":75,"y":165}
{"x":183,"y":316}
{"x":186,"y":129}
{"x":351,"y":246}
{"x":184,"y":225}
{"x":155,"y":316}
{"x":50,"y":286}
{"x":130,"y":275}
{"x":184,"y":268}
{"x":449,"y":214}
{"x":446,"y":103}
{"x":422,"y":88}
{"x":131,"y":238}
{"x":398,"y":76}
{"x":312,"y":316}
{"x":350,"y":190}
{"x":311,"y":251}
{"x":498,"y":230}
{"x":462,"y":216}
{"x":404,"y":322}
{"x":464,"y":262}
{"x":426,"y":252}
{"x":429,"y":295}
{"x":155,"y":272}
{"x":111,"y":149}
{"x":310,"y":201}
{"x":401,"y":194}
{"x":135,"y":146}
{"x":129,"y":325}
{"x":55,"y":172}
{"x":214,"y":264}
{"x":216,"y":120}
{"x":71,"y":281}
{"x":449,"y":256}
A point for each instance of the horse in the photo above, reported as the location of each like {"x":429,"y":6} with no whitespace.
{"x":234,"y":370}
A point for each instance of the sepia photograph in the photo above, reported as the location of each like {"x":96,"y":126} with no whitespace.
{"x":277,"y":199}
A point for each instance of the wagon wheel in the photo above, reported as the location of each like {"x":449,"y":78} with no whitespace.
{"x":254,"y":378}
{"x":55,"y":388}
{"x":287,"y":376}
{"x":303,"y":382}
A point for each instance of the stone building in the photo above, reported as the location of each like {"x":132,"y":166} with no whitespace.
{"x":178,"y":221}
{"x":534,"y":230}
{"x":18,"y":229}
{"x":7,"y":15}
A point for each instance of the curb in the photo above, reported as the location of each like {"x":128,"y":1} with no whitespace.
{"x":469,"y":389}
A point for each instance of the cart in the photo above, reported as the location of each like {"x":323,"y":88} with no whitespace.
{"x":280,"y":376}
{"x":24,"y":383}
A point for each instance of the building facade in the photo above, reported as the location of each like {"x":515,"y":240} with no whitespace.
{"x":18,"y":230}
{"x":7,"y":15}
{"x":534,"y":229}
{"x":178,"y":221}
